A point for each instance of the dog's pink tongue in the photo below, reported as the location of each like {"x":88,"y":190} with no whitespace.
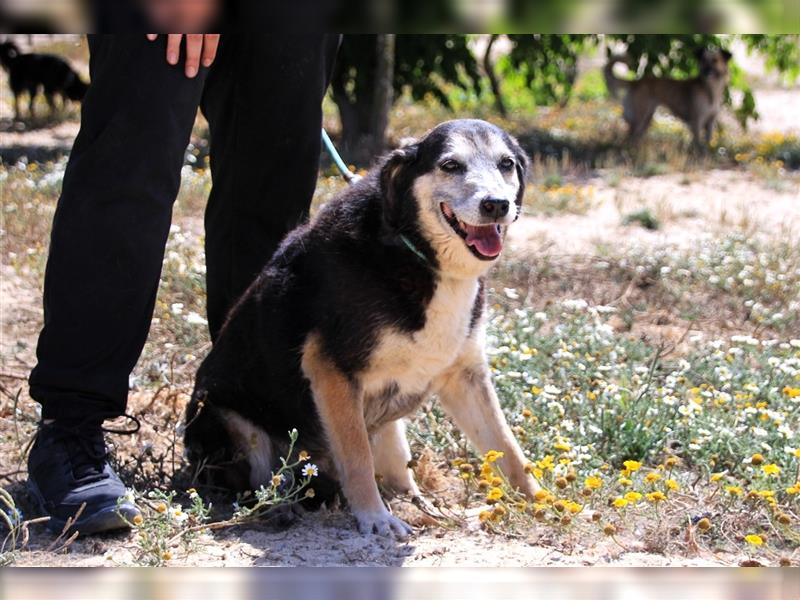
{"x":485,"y":238}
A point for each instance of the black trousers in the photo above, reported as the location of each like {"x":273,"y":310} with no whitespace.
{"x":262,"y":98}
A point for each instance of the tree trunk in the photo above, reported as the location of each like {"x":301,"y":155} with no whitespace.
{"x":493,"y":82}
{"x":384,"y":97}
{"x":363,"y":91}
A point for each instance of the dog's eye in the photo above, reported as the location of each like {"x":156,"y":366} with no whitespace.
{"x":452,"y":166}
{"x":505,"y":164}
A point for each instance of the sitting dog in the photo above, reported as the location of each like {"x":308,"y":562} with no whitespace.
{"x":359,"y":317}
{"x":33,"y":73}
{"x":696,"y":101}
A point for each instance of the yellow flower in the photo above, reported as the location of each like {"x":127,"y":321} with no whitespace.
{"x":756,"y":459}
{"x":543,"y":496}
{"x":492,"y":455}
{"x":620,"y":502}
{"x":633,"y":497}
{"x":672,"y":485}
{"x":593,"y":483}
{"x":797,"y":453}
{"x":526,"y":412}
{"x":671,"y":461}
{"x":717,"y":476}
{"x":167,"y":555}
{"x":484,"y":515}
{"x":625,"y":481}
{"x":162,"y":508}
{"x":494,"y":494}
{"x":755,"y":540}
{"x":303,"y":456}
{"x":496,"y":481}
{"x":771,"y":469}
{"x":138,"y":520}
{"x":656,"y":496}
{"x":652,"y":477}
{"x":734,"y":490}
{"x":795,"y":489}
{"x":277,"y":480}
{"x":573,"y":507}
{"x":631,"y":466}
{"x":792,"y":392}
{"x":562,"y":446}
{"x":546,"y":464}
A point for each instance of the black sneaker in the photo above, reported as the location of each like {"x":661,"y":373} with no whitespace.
{"x":68,"y":467}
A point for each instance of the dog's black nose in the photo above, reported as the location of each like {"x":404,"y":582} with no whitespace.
{"x":494,"y":208}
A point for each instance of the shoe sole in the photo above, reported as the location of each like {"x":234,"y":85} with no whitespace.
{"x":113,"y":518}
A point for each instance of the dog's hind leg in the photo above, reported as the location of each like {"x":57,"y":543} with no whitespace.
{"x":254,"y":444}
{"x":51,"y":102}
{"x":391,"y":455}
{"x":467,"y":394}
{"x":31,"y":102}
{"x":340,"y":407}
{"x":16,"y":107}
{"x":639,"y":126}
{"x":708,"y":129}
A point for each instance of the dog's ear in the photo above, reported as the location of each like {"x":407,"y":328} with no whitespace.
{"x":700,"y":53}
{"x":521,"y":160}
{"x":726,"y":55}
{"x":393,"y":171}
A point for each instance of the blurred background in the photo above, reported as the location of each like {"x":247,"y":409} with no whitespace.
{"x":652,"y":16}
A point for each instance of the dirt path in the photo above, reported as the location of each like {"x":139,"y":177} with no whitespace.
{"x":690,"y":207}
{"x":330,"y":540}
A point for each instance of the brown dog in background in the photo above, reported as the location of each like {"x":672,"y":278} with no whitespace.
{"x":695,"y":101}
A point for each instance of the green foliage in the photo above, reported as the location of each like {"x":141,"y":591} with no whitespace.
{"x":548,"y":63}
{"x":423,"y":64}
{"x":644,"y":218}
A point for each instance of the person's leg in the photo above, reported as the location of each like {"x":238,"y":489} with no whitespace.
{"x":263,"y":101}
{"x":103,"y":268}
{"x":111,"y":226}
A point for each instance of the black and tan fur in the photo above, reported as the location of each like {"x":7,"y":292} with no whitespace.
{"x":696,"y":101}
{"x":348,"y":330}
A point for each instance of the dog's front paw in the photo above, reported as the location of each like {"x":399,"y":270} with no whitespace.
{"x":383,"y":523}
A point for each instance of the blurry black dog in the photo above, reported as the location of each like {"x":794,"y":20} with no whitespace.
{"x":35,"y":73}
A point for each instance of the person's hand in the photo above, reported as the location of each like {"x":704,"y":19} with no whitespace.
{"x":201,"y":48}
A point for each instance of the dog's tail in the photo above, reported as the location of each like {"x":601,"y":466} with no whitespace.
{"x":614,"y":84}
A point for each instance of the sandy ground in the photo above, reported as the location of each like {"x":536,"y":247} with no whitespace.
{"x":691,"y":207}
{"x":329,"y":540}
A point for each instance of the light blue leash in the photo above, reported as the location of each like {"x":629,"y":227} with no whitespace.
{"x":337,"y":159}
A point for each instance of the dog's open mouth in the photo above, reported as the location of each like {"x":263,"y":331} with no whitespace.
{"x":484,"y":241}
